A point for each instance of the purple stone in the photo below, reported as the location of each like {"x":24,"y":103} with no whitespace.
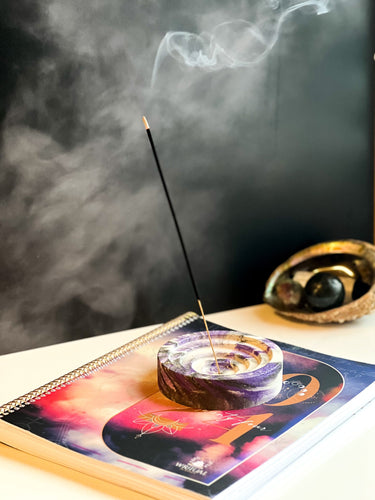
{"x":290,"y":293}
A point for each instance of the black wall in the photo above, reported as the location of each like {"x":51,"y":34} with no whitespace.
{"x":262,"y":116}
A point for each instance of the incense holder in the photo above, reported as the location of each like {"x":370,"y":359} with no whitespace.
{"x":250,"y":370}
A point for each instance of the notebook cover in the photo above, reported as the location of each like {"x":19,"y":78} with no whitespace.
{"x":113,"y":412}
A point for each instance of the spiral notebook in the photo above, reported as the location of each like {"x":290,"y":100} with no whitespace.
{"x":109,"y":420}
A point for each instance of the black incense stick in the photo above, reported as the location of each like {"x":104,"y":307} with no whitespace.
{"x":145,"y":122}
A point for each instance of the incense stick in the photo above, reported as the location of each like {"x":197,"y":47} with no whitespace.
{"x":147,"y":127}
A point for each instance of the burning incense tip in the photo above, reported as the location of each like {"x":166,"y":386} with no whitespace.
{"x":145,"y":122}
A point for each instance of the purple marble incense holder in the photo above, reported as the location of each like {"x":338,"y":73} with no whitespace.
{"x":250,"y":370}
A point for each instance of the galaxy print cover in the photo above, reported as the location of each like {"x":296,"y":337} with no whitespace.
{"x":117,"y":415}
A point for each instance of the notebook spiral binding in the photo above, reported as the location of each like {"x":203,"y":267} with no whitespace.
{"x":96,"y":364}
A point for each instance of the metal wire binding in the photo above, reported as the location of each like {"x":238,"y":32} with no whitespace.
{"x":96,"y":364}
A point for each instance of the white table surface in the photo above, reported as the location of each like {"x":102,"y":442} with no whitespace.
{"x":340,"y":467}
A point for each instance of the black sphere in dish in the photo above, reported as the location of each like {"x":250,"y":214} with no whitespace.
{"x":324,"y":291}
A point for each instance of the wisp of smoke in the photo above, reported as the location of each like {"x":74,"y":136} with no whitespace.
{"x":232,"y":44}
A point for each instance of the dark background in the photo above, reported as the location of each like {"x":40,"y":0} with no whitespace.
{"x":263,"y":128}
